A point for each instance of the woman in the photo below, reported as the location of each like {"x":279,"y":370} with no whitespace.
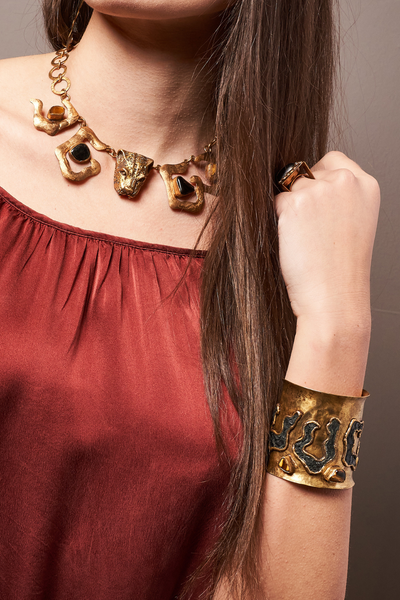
{"x":114,"y":483}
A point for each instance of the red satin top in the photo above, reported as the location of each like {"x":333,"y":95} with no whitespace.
{"x":111,"y":486}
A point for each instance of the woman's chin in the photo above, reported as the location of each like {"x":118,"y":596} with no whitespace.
{"x":159,"y":9}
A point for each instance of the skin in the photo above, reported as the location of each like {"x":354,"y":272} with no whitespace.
{"x":136,"y":79}
{"x":326,"y":233}
{"x":140,"y":86}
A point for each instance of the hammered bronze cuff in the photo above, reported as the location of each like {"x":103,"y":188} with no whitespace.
{"x":315,"y":437}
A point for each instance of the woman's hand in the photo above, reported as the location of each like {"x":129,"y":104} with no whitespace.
{"x":326,"y":233}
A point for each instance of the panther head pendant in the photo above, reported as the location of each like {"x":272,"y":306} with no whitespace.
{"x":131,"y":171}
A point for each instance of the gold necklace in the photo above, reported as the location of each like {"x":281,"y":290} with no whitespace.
{"x":131,"y":169}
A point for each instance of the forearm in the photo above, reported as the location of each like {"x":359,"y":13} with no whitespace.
{"x":331,"y":356}
{"x":305,"y":532}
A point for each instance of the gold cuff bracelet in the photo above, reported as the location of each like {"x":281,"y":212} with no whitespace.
{"x":315,"y":437}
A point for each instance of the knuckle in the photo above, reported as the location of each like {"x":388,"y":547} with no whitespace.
{"x":337,"y":160}
{"x":300,"y":199}
{"x":345,"y":176}
{"x":300,"y":196}
{"x":373,"y":184}
{"x":323,"y":187}
{"x":336,"y":155}
{"x":374,"y":191}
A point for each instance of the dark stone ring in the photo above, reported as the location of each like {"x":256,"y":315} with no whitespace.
{"x":286,"y":177}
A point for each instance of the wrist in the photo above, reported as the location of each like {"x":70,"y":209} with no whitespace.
{"x":330,"y":355}
{"x":332,"y":329}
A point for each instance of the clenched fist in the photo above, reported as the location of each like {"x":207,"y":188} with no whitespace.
{"x":326,"y":232}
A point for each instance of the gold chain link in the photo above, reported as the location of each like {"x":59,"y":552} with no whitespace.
{"x":58,"y":64}
{"x":111,"y":151}
{"x":210,"y":145}
{"x":207,"y":150}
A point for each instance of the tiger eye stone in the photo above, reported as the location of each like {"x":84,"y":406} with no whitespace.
{"x":80,"y":153}
{"x":335,"y":475}
{"x":56,"y":113}
{"x":286,"y":464}
{"x":338,"y":476}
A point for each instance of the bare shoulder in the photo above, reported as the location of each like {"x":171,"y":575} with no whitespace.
{"x":20,"y":79}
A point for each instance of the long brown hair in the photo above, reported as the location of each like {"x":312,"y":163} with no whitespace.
{"x":275,"y":75}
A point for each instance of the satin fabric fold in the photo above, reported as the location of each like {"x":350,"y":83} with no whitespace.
{"x":111,"y":483}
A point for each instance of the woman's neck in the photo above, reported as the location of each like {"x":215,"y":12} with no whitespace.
{"x":144,"y":85}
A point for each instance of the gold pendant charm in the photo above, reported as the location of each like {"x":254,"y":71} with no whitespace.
{"x":84,"y":134}
{"x":53,"y":124}
{"x":178,"y":188}
{"x":131,"y":171}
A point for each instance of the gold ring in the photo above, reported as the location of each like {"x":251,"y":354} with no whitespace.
{"x":286,"y":177}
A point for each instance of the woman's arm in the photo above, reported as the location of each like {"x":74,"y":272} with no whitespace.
{"x":326,"y":232}
{"x":305,"y":535}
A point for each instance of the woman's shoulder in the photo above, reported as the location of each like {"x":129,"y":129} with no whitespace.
{"x":23,"y":65}
{"x":18,"y":78}
{"x":21,"y":79}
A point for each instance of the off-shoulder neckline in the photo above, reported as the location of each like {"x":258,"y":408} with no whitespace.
{"x":94,"y":235}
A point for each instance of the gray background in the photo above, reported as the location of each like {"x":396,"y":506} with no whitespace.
{"x":370,"y":32}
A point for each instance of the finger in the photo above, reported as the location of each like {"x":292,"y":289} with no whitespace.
{"x":325,"y":169}
{"x":337,"y":160}
{"x":305,"y":182}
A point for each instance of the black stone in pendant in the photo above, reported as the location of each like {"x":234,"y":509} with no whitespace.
{"x":80,"y":153}
{"x":185,"y":188}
